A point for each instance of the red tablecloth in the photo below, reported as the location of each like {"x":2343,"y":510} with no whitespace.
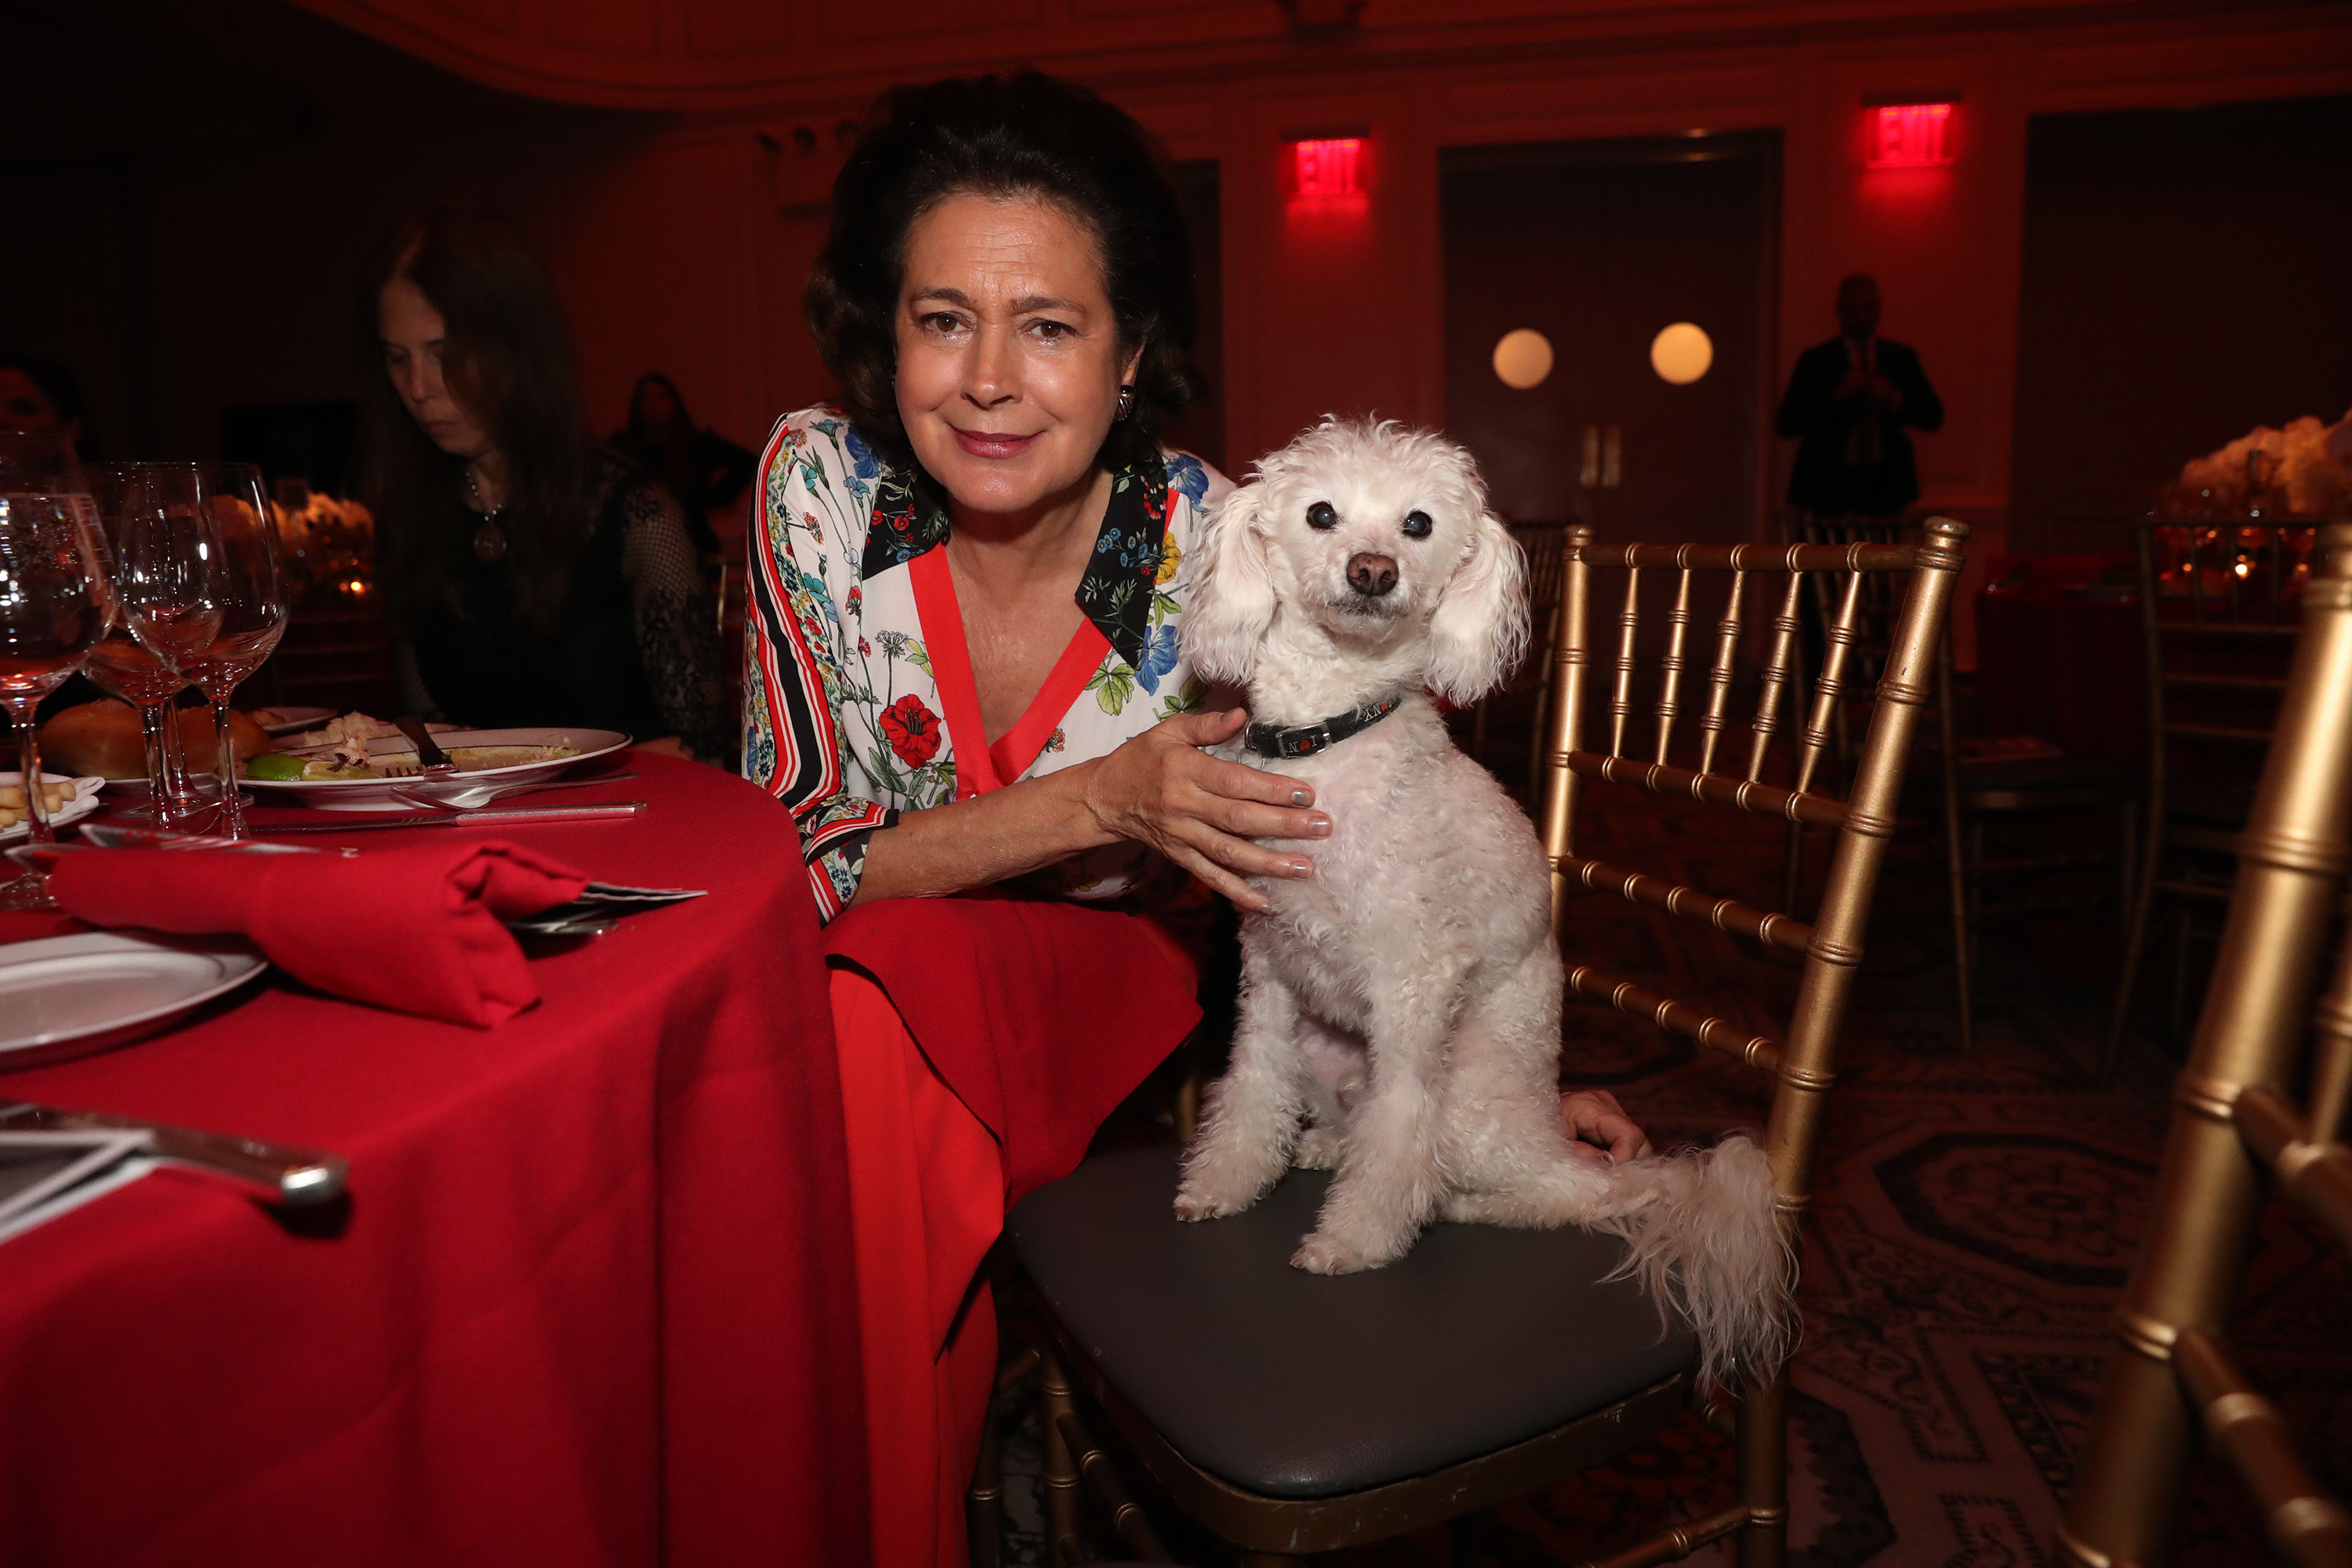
{"x":2068,"y":669}
{"x":591,"y":1300}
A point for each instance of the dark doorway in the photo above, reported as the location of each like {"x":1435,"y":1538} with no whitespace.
{"x":1201,"y":429}
{"x":2183,"y":283}
{"x":1597,"y":247}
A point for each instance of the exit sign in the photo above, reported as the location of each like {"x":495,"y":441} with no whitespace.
{"x":1325,"y":168}
{"x":1910,"y":135}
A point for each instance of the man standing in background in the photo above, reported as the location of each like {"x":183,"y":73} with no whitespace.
{"x":1849,"y":400}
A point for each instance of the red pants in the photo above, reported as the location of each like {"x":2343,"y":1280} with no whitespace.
{"x":927,"y":1200}
{"x":928,"y":1190}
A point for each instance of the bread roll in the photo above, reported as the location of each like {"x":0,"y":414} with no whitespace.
{"x":103,"y":738}
{"x":99,"y":738}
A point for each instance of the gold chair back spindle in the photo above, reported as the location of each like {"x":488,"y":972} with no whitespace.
{"x":1777,"y":670}
{"x":1726,"y":654}
{"x":1629,"y":631}
{"x":2230,"y":1122}
{"x":1670,"y":691}
{"x":1829,"y":699}
{"x":1804,"y":1066}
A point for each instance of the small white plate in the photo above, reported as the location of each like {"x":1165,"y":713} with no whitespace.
{"x":66,"y":996}
{"x":84,"y":802}
{"x":294,"y":720}
{"x":375,"y":795}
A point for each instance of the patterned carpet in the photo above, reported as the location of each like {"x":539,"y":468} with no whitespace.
{"x":1975,"y":1217}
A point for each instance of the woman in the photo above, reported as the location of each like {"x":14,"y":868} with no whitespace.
{"x":966,"y":667}
{"x":530,"y":578}
{"x":705,"y":471}
{"x":40,"y":397}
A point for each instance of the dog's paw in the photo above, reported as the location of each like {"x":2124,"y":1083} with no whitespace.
{"x":1317,"y":1150}
{"x":1197,"y":1203}
{"x":1323,"y":1254}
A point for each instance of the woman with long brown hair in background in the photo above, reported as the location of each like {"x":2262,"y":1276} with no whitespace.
{"x":529,"y":577}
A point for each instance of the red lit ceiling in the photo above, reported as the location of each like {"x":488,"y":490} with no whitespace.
{"x":689,"y":55}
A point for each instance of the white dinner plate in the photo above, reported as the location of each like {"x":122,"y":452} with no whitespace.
{"x":84,"y":802}
{"x":375,"y":795}
{"x":66,"y":997}
{"x":294,"y":720}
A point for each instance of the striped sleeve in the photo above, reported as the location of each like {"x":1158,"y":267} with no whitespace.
{"x":794,"y":687}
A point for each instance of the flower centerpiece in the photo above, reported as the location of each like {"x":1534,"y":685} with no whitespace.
{"x":2302,"y":471}
{"x":328,"y":550}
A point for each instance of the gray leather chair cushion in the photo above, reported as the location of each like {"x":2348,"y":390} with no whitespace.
{"x":1294,"y":1385}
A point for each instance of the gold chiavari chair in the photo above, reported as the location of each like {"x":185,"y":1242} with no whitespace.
{"x":1803,"y":1065}
{"x":2233,"y":1125}
{"x":2216,"y":604}
{"x":1291,"y":1415}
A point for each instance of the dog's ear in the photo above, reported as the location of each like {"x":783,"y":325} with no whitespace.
{"x":1232,"y":602}
{"x":1480,"y":627}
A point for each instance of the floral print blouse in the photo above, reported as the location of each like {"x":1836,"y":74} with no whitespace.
{"x":859,"y":701}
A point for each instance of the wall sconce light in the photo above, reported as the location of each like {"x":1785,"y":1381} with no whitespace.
{"x":1910,"y":135}
{"x":1326,"y":168}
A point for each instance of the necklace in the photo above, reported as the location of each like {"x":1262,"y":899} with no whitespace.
{"x":489,"y":539}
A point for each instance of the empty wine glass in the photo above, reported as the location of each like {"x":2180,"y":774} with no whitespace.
{"x":246,"y":590}
{"x":48,"y":619}
{"x":166,"y":616}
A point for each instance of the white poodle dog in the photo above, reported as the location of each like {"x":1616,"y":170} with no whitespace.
{"x":1400,"y":1010}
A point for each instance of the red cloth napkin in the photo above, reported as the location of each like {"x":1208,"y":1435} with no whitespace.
{"x":1041,"y":1016}
{"x":415,"y":930}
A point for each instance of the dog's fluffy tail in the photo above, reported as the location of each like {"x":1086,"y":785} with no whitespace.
{"x":1702,"y":1235}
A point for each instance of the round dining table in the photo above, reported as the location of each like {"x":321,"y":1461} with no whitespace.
{"x":589,"y":1298}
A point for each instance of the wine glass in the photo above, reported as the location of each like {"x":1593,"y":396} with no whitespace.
{"x":166,"y":617}
{"x":49,"y":617}
{"x":248,"y":591}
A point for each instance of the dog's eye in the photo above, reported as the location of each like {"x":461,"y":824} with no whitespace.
{"x":1322,"y":514}
{"x":1417,"y":525}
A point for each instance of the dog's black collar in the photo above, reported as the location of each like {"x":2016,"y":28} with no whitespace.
{"x":1305,"y":739}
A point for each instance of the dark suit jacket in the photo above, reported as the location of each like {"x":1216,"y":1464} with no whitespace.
{"x":1825,"y":480}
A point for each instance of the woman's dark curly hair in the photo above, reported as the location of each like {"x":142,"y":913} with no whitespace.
{"x":1026,"y":136}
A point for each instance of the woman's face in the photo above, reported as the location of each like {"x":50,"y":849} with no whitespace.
{"x":1009,"y":364}
{"x":412,"y":333}
{"x":656,"y":407}
{"x":25,"y":407}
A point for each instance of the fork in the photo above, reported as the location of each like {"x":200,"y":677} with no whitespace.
{"x":465,"y":797}
{"x":432,"y":761}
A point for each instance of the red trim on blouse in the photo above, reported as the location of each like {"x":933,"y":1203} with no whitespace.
{"x":979,"y":768}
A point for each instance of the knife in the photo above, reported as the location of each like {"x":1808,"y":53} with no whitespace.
{"x":489,"y":816}
{"x":279,"y":1173}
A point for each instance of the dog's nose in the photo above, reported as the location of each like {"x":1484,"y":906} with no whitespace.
{"x":1369,"y":574}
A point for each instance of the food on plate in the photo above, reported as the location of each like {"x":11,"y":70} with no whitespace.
{"x":104,"y":738}
{"x":339,"y":750}
{"x":477,"y":759}
{"x":355,"y":726}
{"x":274,"y":767}
{"x":55,"y":797}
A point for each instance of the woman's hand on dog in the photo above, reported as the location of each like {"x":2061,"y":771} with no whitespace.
{"x":1598,"y":1127}
{"x":1162,"y":789}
